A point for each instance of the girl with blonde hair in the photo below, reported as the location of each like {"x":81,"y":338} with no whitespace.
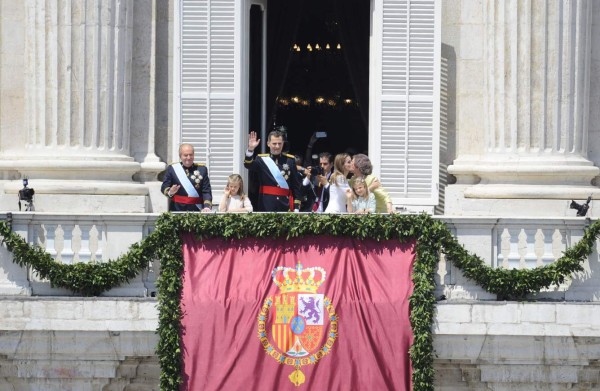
{"x":234,"y":199}
{"x":362,"y":168}
{"x":360,"y":199}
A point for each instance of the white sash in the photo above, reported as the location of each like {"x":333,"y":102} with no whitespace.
{"x":275,"y":172}
{"x":186,"y":183}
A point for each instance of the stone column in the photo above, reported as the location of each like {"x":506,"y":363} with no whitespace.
{"x":536,"y":102}
{"x":151,"y":163}
{"x":78,"y":66}
{"x":145,"y":96}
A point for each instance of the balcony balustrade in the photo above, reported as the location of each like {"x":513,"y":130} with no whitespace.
{"x":500,"y":242}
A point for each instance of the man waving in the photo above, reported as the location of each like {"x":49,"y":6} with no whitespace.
{"x":279,"y":189}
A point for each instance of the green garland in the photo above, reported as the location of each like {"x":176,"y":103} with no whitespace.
{"x":433,"y":237}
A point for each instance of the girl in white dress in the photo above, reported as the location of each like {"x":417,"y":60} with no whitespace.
{"x":338,"y":184}
{"x":234,"y":199}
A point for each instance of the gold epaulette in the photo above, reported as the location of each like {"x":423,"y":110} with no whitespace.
{"x":290,"y":156}
{"x":264,"y":154}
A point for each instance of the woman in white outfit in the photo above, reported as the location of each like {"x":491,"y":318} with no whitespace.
{"x":338,"y":184}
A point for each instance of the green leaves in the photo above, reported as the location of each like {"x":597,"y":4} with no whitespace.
{"x":517,"y":284}
{"x":433,"y":238}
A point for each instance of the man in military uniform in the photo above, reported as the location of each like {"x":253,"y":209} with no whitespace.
{"x":279,"y":186}
{"x":187,"y":184}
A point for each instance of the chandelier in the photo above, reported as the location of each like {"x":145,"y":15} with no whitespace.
{"x":319,"y":102}
{"x":317,"y":47}
{"x":317,"y":75}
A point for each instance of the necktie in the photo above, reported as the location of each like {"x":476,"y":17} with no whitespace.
{"x":318,"y":200}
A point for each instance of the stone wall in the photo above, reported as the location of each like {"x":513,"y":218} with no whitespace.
{"x":517,"y":346}
{"x":78,"y":344}
{"x":96,"y":344}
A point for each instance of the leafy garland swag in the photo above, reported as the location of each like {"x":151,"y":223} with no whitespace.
{"x":164,"y":243}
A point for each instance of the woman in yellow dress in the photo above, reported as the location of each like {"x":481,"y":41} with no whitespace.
{"x":362,"y":168}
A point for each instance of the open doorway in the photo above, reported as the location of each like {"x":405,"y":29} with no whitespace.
{"x":317,"y":75}
{"x":317,"y":79}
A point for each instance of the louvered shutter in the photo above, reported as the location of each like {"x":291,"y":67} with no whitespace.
{"x":207,"y":95}
{"x":404,"y":128}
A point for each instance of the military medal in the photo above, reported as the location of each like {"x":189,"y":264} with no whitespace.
{"x":196,"y":178}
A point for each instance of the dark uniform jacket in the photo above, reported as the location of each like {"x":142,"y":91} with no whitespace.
{"x":198,"y":176}
{"x":309,"y":193}
{"x":322,"y":193}
{"x":287,"y":167}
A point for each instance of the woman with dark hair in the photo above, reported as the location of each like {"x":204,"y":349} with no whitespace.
{"x":362,"y":168}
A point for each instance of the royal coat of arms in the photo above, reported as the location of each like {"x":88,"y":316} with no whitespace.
{"x":298,"y":326}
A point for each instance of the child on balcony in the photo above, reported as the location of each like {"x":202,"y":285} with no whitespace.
{"x":360,"y":199}
{"x":234,"y":199}
{"x":362,"y":168}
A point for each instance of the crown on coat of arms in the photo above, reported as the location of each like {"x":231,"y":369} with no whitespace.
{"x":308,"y":280}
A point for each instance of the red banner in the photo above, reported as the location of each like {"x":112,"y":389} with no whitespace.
{"x":312,"y":313}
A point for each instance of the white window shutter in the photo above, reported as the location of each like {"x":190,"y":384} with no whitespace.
{"x":207,"y":96}
{"x":405,"y":128}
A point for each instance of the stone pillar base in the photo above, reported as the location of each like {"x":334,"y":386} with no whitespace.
{"x":70,"y":167}
{"x":524,"y":170}
{"x":518,"y":200}
{"x":531,"y":192}
{"x":75,"y":196}
{"x":512,"y":185}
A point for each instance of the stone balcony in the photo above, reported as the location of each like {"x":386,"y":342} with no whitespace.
{"x":52,"y":340}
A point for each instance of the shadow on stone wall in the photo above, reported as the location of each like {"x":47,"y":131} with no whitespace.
{"x":447,"y":120}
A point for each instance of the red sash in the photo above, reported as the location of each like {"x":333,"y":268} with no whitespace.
{"x":187,"y":200}
{"x":278,"y":191}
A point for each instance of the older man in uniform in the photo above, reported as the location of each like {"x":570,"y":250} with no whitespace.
{"x":279,"y":183}
{"x":187,"y":184}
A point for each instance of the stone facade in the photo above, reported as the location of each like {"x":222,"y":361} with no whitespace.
{"x":526,"y":119}
{"x":63,"y":344}
{"x":520,"y":137}
{"x":517,"y":346}
{"x":86,"y":108}
{"x":54,"y":344}
{"x":79,"y":108}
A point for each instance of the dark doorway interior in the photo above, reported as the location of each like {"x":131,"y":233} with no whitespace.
{"x":317,"y":77}
{"x":318,"y":72}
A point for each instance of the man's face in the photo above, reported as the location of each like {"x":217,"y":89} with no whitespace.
{"x":275,"y":145}
{"x":186,"y":154}
{"x":325,"y":164}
